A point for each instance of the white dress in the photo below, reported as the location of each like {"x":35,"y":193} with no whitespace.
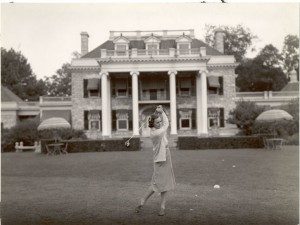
{"x":163,"y":176}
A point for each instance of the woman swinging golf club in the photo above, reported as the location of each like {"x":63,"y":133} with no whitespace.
{"x":163,"y":176}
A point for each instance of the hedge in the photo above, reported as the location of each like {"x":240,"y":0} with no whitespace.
{"x":96,"y":145}
{"x":194,"y":142}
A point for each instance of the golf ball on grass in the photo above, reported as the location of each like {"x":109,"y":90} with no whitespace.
{"x":216,"y":186}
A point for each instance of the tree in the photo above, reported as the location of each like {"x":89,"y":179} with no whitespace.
{"x":269,"y":57}
{"x":237,"y":39}
{"x":290,"y":53}
{"x":244,"y":115}
{"x":254,"y":76}
{"x":17,"y":75}
{"x":263,"y":73}
{"x":59,"y":84}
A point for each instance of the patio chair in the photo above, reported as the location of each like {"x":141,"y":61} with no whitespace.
{"x":64,"y":149}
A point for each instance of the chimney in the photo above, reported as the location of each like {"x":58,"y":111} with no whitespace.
{"x":219,"y":40}
{"x":84,"y":43}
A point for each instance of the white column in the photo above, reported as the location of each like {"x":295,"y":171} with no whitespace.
{"x":201,"y":103}
{"x":104,"y":103}
{"x":135,"y":103}
{"x":109,"y":106}
{"x":172,"y":81}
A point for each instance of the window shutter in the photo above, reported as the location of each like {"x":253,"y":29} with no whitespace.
{"x":221,"y":86}
{"x":222,"y":117}
{"x":86,"y":120}
{"x":85,"y":91}
{"x":129,"y":87}
{"x":99,"y":88}
{"x":193,"y":88}
{"x":114,"y":120}
{"x":130,"y":120}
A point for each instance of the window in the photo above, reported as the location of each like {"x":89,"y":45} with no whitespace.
{"x":185,"y":120}
{"x":92,"y":88}
{"x":121,"y":92}
{"x":183,"y":49}
{"x":184,"y":91}
{"x":185,"y":86}
{"x":152,"y":49}
{"x":215,"y":117}
{"x":122,"y":124}
{"x":122,"y":120}
{"x":94,"y":120}
{"x":121,"y":87}
{"x":93,"y":93}
{"x":215,"y":85}
{"x":121,"y":49}
{"x":185,"y":123}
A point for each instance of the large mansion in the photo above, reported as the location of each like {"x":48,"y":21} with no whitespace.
{"x":116,"y":86}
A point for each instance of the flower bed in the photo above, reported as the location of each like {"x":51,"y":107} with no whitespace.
{"x":96,"y":145}
{"x":194,"y":142}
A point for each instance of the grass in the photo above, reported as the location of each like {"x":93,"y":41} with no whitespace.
{"x":105,"y":187}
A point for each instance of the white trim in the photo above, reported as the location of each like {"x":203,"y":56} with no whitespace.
{"x":185,"y":128}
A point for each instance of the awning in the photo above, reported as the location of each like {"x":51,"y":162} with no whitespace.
{"x":213,"y":82}
{"x":185,"y":83}
{"x":153,"y":84}
{"x":93,"y":84}
{"x":121,"y":84}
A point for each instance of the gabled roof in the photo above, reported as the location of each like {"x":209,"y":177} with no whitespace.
{"x":8,"y":96}
{"x":139,"y":44}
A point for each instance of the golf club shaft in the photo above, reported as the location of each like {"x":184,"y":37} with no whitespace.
{"x":139,"y":129}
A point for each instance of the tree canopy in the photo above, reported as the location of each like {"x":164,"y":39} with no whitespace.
{"x":17,"y":75}
{"x":237,"y":39}
{"x":59,"y":84}
{"x":263,"y":73}
{"x":290,"y":53}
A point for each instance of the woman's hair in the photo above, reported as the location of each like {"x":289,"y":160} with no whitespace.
{"x":151,"y":120}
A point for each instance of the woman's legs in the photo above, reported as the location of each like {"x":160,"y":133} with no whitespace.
{"x":163,"y":196}
{"x":147,"y":196}
{"x":144,"y":199}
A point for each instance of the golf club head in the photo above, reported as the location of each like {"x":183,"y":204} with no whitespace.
{"x":127,"y":144}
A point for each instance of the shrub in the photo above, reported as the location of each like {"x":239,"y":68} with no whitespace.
{"x":96,"y":145}
{"x":25,"y":131}
{"x":282,"y":128}
{"x":292,"y":108}
{"x":244,"y":115}
{"x":194,"y":142}
{"x":64,"y":134}
{"x":293,"y":140}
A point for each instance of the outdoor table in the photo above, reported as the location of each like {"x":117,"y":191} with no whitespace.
{"x":55,"y":148}
{"x":274,"y":143}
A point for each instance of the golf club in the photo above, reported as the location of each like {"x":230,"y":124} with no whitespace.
{"x":127,"y":143}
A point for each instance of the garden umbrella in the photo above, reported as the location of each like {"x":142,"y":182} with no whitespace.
{"x":54,"y":124}
{"x":274,"y":115}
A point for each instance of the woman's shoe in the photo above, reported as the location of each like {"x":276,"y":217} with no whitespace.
{"x":161,"y":212}
{"x":138,"y":208}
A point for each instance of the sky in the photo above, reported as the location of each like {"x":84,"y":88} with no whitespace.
{"x":47,"y":34}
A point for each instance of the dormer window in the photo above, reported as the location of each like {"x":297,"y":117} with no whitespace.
{"x":152,"y":45}
{"x":183,"y":44}
{"x":120,"y":49}
{"x":121,"y":45}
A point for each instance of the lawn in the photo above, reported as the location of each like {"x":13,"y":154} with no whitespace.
{"x":257,"y":186}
